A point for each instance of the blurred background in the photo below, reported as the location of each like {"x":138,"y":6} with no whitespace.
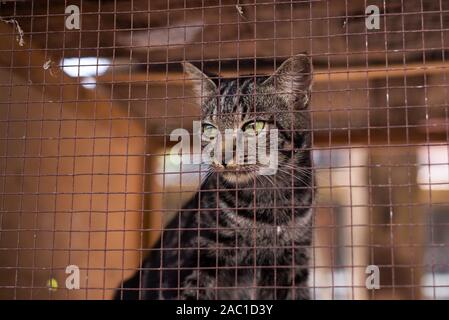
{"x":85,"y":115}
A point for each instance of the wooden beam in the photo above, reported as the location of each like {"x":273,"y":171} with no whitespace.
{"x":21,"y":60}
{"x":381,"y":136}
{"x":320,"y":75}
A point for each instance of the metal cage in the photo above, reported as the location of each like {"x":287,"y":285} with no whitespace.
{"x":90,"y":91}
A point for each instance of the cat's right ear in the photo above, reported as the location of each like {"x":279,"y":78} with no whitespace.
{"x":293,"y":80}
{"x":203,"y":86}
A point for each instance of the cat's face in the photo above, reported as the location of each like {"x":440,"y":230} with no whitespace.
{"x":240,"y":118}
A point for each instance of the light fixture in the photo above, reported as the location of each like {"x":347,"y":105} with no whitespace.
{"x":85,"y":66}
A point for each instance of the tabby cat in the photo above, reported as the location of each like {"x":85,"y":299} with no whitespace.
{"x":243,"y":235}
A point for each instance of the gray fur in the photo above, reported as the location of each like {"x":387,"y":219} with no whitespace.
{"x":243,"y":238}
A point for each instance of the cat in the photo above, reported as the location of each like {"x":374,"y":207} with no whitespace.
{"x":243,"y":235}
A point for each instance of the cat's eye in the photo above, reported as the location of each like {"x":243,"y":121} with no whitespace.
{"x":209,"y":131}
{"x":254,"y":128}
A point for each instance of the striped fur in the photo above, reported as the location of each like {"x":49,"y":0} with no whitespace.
{"x":247,"y":240}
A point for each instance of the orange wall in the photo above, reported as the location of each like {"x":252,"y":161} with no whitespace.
{"x":70,"y":193}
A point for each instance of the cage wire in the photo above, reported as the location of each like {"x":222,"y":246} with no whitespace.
{"x":90,"y":92}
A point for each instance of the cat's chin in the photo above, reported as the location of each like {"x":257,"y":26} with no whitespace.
{"x":239,"y":177}
{"x":245,"y":176}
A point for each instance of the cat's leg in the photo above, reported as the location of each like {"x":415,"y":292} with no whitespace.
{"x":290,"y":278}
{"x":129,"y":289}
{"x":273,"y":283}
{"x":300,"y":289}
{"x":199,"y":285}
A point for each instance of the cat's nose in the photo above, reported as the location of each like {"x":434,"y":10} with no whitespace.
{"x":228,"y":163}
{"x":227,"y":159}
{"x":225,"y":162}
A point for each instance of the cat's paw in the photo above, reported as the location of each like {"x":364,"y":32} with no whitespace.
{"x":198,"y":286}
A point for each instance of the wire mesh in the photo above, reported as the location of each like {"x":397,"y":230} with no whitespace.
{"x":90,"y":92}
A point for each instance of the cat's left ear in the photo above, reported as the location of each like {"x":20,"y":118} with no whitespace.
{"x":293,"y":80}
{"x":202,"y":84}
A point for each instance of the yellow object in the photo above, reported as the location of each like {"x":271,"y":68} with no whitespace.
{"x":52,"y":284}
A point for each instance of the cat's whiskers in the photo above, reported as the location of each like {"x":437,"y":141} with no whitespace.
{"x":300,"y":179}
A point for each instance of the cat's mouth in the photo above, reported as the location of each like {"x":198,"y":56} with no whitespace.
{"x":236,"y":174}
